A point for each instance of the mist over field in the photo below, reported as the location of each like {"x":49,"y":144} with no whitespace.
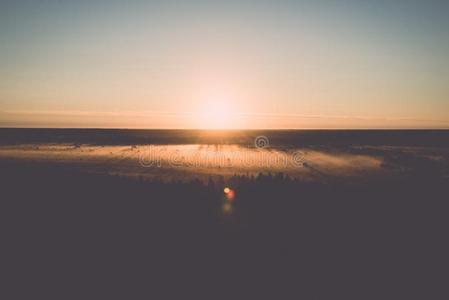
{"x":306,"y":155}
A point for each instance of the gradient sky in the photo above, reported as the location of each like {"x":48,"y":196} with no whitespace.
{"x":274,"y":64}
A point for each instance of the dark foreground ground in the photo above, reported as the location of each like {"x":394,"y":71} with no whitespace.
{"x":69,"y":235}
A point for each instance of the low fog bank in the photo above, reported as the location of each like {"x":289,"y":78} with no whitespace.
{"x":178,"y":162}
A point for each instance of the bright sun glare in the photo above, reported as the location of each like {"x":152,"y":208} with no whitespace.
{"x":217,"y":114}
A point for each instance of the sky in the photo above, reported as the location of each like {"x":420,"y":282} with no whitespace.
{"x":224,"y":64}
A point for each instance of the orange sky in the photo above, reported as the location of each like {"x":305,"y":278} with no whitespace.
{"x":234,"y":64}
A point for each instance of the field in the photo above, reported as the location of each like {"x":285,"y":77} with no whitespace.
{"x":358,"y":214}
{"x":182,"y":155}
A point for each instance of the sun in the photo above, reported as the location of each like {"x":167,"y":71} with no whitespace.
{"x":217,"y":113}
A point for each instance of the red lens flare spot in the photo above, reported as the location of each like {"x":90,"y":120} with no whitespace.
{"x":230,"y":195}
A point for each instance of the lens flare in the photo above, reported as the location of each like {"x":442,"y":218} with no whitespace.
{"x":227,"y":208}
{"x":230,"y":196}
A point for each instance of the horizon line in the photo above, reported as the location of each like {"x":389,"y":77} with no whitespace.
{"x":236,"y":129}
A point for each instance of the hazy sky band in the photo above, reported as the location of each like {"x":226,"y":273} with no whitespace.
{"x":378,"y":60}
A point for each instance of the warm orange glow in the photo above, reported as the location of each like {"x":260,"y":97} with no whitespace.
{"x":217,"y":113}
{"x":226,"y":190}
